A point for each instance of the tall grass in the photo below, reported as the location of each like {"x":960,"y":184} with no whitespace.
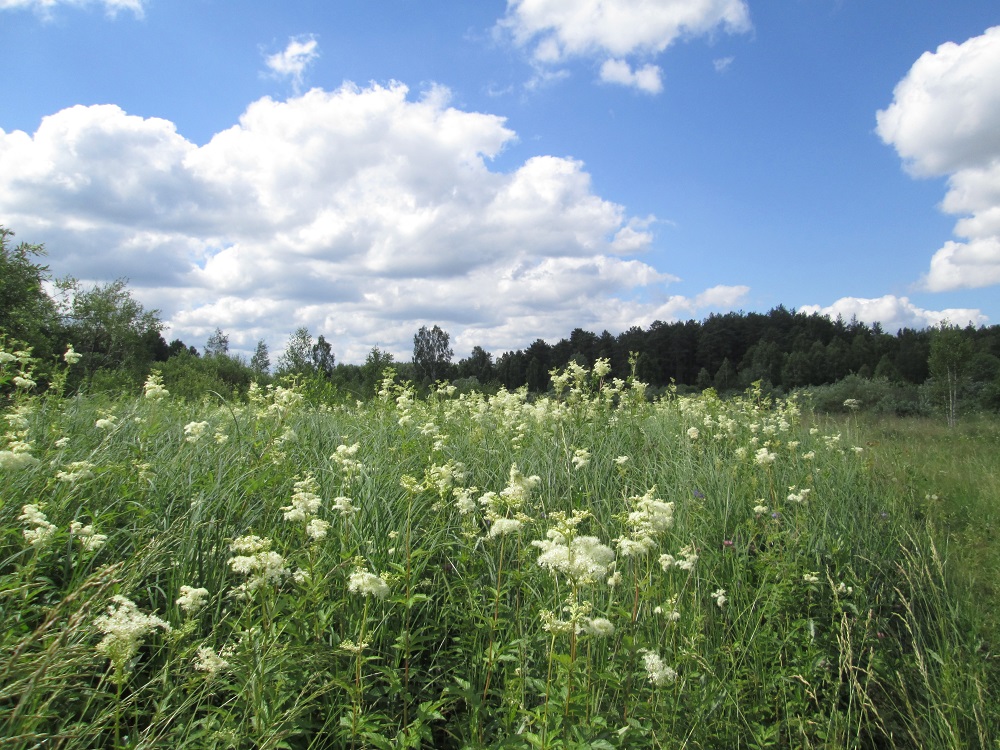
{"x":589,"y":570}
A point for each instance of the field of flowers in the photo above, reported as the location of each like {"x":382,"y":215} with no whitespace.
{"x":592,"y":569}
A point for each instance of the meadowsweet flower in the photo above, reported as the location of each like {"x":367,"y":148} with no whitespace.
{"x":852,"y":403}
{"x":317,"y":529}
{"x":720,"y":597}
{"x":583,"y":559}
{"x":257,"y":561}
{"x":685,"y":561}
{"x":71,"y":357}
{"x":345,"y":505}
{"x":580,"y":458}
{"x":76,"y":472}
{"x":367,"y":584}
{"x":17,"y":456}
{"x":62,"y":442}
{"x":23,"y":381}
{"x":598,"y":627}
{"x":192,"y":599}
{"x":89,"y":540}
{"x":765,"y":457}
{"x":106,"y":423}
{"x":194,"y":431}
{"x":124,"y":628}
{"x":351,"y":647}
{"x":41,"y":530}
{"x":305,"y":501}
{"x":464,"y":501}
{"x":798,"y":497}
{"x":812,"y":577}
{"x":221,"y":438}
{"x":809,"y":456}
{"x":210,"y":662}
{"x":6,"y":357}
{"x":622,"y":460}
{"x":844,"y":589}
{"x":693,"y":433}
{"x":657,"y":672}
{"x":503,"y":526}
{"x":760,"y":509}
{"x":153,"y":388}
{"x":650,"y":519}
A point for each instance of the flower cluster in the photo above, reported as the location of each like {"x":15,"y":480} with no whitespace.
{"x":305,"y":500}
{"x":41,"y":529}
{"x":194,"y":431}
{"x":685,"y":559}
{"x":582,"y":559}
{"x":258,"y":561}
{"x":153,"y":387}
{"x":650,"y":519}
{"x":367,"y":584}
{"x":76,"y":472}
{"x":659,"y":673}
{"x":88,"y":538}
{"x":124,"y":628}
{"x":192,"y":599}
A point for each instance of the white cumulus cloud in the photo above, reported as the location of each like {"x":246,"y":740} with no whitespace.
{"x":945,"y":120}
{"x":894,"y":313}
{"x":647,"y":78}
{"x":613,"y":30}
{"x":45,"y":8}
{"x":292,"y":61}
{"x":361,"y":213}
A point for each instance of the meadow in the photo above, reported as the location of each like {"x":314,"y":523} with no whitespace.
{"x":589,"y":569}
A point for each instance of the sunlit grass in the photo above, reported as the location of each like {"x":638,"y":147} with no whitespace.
{"x":587,"y":570}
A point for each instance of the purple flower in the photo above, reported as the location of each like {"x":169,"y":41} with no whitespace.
{"x":698,"y":493}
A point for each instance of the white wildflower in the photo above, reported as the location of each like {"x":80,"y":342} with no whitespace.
{"x":367,"y":584}
{"x":153,"y":387}
{"x":503,"y":526}
{"x":317,"y":529}
{"x":210,"y":662}
{"x":658,"y":672}
{"x":580,"y":458}
{"x":124,"y":627}
{"x":598,"y":627}
{"x":41,"y":530}
{"x":345,"y":505}
{"x":106,"y":423}
{"x":764,"y":457}
{"x":720,"y":597}
{"x":194,"y":431}
{"x":75,"y":472}
{"x":192,"y":599}
{"x":693,"y":433}
{"x":89,"y":540}
{"x":71,"y":357}
{"x":305,"y":500}
{"x":257,"y":561}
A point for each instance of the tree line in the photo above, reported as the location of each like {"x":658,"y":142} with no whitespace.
{"x":785,"y":350}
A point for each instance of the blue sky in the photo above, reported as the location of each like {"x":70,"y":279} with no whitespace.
{"x":508,"y":171}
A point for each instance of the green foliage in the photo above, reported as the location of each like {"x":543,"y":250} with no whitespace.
{"x":431,"y":353}
{"x":110,"y":328}
{"x":950,"y":357}
{"x":410,"y":572}
{"x":27,"y":313}
{"x":190,"y":377}
{"x":297,"y":358}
